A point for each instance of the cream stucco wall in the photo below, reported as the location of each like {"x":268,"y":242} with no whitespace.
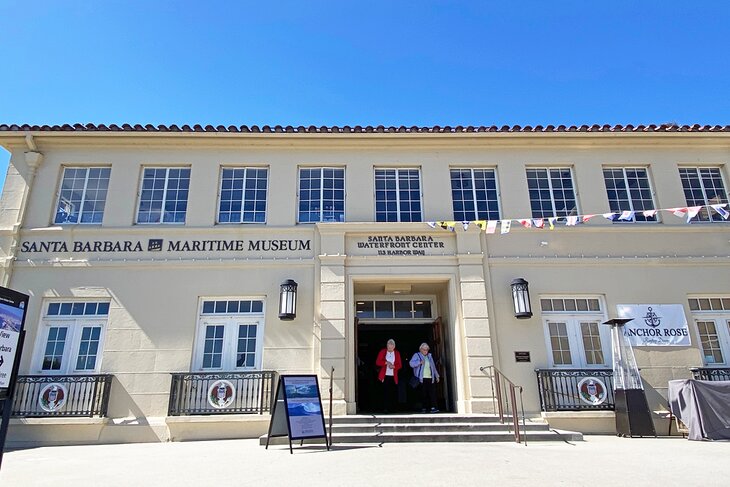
{"x":155,"y":296}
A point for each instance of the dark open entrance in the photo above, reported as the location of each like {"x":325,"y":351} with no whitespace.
{"x":371,"y":338}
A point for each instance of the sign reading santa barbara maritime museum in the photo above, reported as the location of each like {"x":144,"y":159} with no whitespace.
{"x":655,"y":325}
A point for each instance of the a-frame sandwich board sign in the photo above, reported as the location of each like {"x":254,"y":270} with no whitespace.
{"x":297,"y":410}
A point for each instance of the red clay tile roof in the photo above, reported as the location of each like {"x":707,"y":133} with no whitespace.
{"x":90,"y":127}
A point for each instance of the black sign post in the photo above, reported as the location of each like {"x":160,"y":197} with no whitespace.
{"x":13,"y":307}
{"x":297,"y":411}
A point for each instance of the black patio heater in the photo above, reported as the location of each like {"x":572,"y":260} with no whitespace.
{"x":633,"y":417}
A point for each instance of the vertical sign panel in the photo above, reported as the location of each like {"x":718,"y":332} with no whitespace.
{"x":13,"y":306}
{"x":304,"y":407}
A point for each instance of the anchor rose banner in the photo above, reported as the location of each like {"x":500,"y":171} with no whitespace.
{"x":655,"y":325}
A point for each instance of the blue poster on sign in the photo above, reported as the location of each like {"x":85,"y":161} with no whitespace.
{"x":303,"y":406}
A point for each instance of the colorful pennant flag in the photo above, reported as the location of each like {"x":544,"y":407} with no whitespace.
{"x":721,"y":210}
{"x":627,"y":215}
{"x":490,"y":226}
{"x":692,"y":212}
{"x":506,"y":225}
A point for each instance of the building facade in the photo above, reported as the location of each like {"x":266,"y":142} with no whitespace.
{"x":154,"y":258}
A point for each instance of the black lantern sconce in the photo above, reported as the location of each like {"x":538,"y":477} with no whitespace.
{"x":521,"y":299}
{"x":288,"y":300}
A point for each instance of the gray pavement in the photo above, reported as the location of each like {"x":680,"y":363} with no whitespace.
{"x":599,"y":460}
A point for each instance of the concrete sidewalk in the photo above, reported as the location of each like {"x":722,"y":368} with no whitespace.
{"x":599,"y":460}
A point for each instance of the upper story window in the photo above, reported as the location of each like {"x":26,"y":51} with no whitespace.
{"x":321,"y":194}
{"x":628,"y":190}
{"x":71,"y":336}
{"x":703,"y":186}
{"x":551,"y":192}
{"x":164,"y":195}
{"x":243,"y":195}
{"x":474,"y":194}
{"x":82,"y":195}
{"x":398,"y":195}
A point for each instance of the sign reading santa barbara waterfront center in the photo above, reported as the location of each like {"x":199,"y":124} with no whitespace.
{"x":412,"y":245}
{"x":13,"y":306}
{"x":655,"y":325}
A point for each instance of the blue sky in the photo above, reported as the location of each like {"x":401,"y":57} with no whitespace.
{"x":376,"y":62}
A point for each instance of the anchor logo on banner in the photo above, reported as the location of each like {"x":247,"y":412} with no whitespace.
{"x":652,"y":319}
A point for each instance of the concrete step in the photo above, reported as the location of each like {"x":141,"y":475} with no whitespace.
{"x":433,"y":427}
{"x":387,"y":428}
{"x":414,"y":418}
{"x":430,"y":437}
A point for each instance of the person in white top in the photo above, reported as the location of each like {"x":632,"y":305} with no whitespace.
{"x":389,"y":364}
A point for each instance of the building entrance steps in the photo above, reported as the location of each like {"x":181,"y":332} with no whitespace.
{"x":402,"y":428}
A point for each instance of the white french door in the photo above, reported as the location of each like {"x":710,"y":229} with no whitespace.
{"x":577,"y":342}
{"x":714,"y":333}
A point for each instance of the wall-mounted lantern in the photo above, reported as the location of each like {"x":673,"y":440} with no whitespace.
{"x":288,"y":300}
{"x":521,"y":298}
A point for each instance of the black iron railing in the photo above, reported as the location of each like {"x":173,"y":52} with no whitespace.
{"x":62,"y":395}
{"x":559,"y":389}
{"x":240,"y":393}
{"x":711,"y":373}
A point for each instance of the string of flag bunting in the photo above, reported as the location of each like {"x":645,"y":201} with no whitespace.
{"x":490,"y":226}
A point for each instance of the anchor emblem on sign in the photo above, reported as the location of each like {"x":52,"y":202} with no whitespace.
{"x":651,"y":318}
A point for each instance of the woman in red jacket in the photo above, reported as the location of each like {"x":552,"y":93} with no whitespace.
{"x":388,"y":363}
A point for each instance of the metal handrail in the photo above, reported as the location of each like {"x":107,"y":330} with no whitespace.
{"x":332,"y":374}
{"x":499,"y":380}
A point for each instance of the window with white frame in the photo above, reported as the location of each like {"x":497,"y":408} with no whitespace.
{"x":163,"y":197}
{"x":398,"y":195}
{"x":474,"y":194}
{"x":71,"y":336}
{"x":321,"y":194}
{"x":711,"y":315}
{"x":551,"y":192}
{"x":390,"y":309}
{"x":628,"y":189}
{"x":82,"y":195}
{"x":230,"y":334}
{"x":573,"y":332}
{"x":243,"y":195}
{"x":704,"y":186}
